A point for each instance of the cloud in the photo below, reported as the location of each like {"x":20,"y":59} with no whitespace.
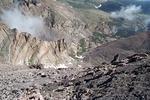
{"x":147,"y":23}
{"x":14,"y":18}
{"x":128,"y":12}
{"x":142,"y":0}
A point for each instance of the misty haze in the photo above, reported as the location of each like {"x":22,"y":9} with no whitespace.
{"x":14,"y":18}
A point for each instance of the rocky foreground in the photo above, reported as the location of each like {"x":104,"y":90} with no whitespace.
{"x":124,"y":79}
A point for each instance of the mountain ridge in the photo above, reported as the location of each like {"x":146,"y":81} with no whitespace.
{"x":124,"y":47}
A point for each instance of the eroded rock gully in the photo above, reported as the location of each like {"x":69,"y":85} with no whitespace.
{"x":22,"y":48}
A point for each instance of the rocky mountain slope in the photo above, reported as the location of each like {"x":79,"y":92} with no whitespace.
{"x":64,"y":30}
{"x":128,"y":81}
{"x":97,"y":15}
{"x":96,"y":20}
{"x":22,"y":48}
{"x":125,"y":80}
{"x":66,"y":50}
{"x":124,"y":47}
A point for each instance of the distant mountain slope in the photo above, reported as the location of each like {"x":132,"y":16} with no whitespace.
{"x":96,"y":20}
{"x":83,"y":4}
{"x":113,"y":5}
{"x":123,"y":47}
{"x":100,"y":19}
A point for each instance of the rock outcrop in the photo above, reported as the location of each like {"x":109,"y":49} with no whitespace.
{"x":128,"y":81}
{"x":22,"y":48}
{"x":61,"y":20}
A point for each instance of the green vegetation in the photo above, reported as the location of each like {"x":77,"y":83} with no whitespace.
{"x":98,"y":37}
{"x":31,"y":61}
{"x":4,"y":2}
{"x":4,"y":47}
{"x":82,"y":46}
{"x":84,"y":4}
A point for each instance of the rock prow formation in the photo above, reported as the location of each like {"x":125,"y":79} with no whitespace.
{"x":22,"y":48}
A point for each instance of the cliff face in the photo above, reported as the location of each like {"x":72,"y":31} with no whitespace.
{"x":65,"y":29}
{"x":22,"y":48}
{"x":60,"y":20}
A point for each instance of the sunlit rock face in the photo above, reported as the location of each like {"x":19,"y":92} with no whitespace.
{"x":61,"y":22}
{"x":62,"y":31}
{"x":22,"y":48}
